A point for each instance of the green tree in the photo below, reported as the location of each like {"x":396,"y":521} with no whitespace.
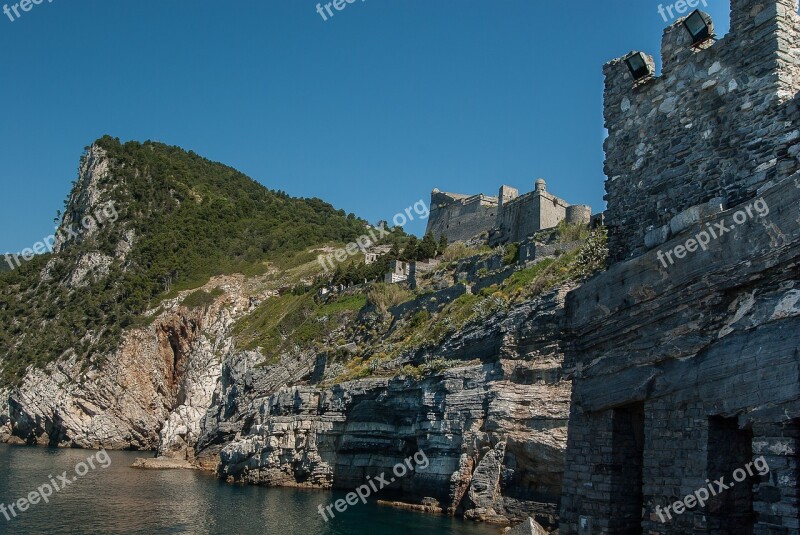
{"x":351,"y":274}
{"x":427,"y":248}
{"x":412,"y":250}
{"x":442,"y":243}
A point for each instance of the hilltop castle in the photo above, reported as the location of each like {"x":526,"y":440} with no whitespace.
{"x":509,"y":217}
{"x":690,"y":373}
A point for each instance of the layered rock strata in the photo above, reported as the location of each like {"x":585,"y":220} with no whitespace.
{"x":493,"y":432}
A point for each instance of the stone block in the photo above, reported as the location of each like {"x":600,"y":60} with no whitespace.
{"x":694,"y":215}
{"x":656,"y":236}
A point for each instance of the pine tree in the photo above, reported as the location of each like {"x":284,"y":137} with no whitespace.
{"x":427,"y":248}
{"x":411,"y":250}
{"x":442,"y":243}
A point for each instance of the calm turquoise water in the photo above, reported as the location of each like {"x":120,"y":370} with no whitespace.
{"x":119,"y":499}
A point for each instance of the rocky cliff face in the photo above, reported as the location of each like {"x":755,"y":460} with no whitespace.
{"x":152,"y":390}
{"x":150,"y":394}
{"x":494,"y":431}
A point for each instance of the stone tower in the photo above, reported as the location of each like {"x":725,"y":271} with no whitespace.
{"x":716,"y":125}
{"x":688,"y":370}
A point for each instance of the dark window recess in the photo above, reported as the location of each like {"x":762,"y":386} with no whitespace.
{"x":730,"y":448}
{"x":626,"y":479}
{"x":793,"y":431}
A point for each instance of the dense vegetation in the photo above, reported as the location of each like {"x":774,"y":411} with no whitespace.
{"x":192,"y":218}
{"x":403,"y":247}
{"x":202,"y":298}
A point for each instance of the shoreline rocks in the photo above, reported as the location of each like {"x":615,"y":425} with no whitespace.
{"x":162,"y":463}
{"x":431,"y":508}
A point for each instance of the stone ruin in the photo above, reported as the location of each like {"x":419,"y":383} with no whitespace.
{"x":509,"y":217}
{"x":688,"y":372}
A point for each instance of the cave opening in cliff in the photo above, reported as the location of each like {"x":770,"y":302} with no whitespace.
{"x":729,"y":449}
{"x":628,"y":460}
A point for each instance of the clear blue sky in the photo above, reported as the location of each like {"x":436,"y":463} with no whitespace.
{"x":369,"y":110}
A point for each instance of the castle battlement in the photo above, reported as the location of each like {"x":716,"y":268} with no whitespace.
{"x":459,"y":216}
{"x":719,"y":122}
{"x":444,"y":198}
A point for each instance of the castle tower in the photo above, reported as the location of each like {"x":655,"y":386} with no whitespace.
{"x":507,"y":194}
{"x":579,"y":214}
{"x":717,"y":124}
{"x":686,"y":370}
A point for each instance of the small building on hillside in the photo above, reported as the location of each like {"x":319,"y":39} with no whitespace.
{"x":407,"y":271}
{"x":374,"y":254}
{"x":398,"y":272}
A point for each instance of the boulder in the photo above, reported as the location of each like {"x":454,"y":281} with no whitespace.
{"x":529,"y":527}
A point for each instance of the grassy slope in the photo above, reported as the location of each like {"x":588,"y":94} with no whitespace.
{"x":291,"y":321}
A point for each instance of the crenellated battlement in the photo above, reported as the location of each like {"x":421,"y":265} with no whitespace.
{"x":717,"y":123}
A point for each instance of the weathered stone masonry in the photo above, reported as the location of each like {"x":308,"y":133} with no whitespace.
{"x":520,"y":216}
{"x":719,"y":122}
{"x":687,"y":372}
{"x":460,"y":217}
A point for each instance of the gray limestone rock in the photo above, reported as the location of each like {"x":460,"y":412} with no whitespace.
{"x":528,"y":527}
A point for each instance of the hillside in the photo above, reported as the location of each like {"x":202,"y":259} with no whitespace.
{"x":180,"y":220}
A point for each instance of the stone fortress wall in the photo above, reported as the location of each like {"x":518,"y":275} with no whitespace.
{"x":460,"y":217}
{"x":718,"y":123}
{"x":685,"y":373}
{"x":509,"y":217}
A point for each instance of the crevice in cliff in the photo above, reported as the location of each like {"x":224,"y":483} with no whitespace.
{"x":177,"y":340}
